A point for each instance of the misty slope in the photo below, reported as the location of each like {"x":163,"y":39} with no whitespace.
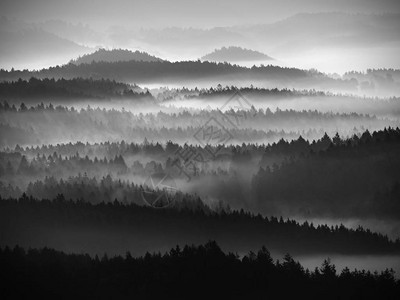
{"x":37,"y":90}
{"x":235,"y":54}
{"x":326,"y":177}
{"x":62,"y":124}
{"x":346,"y":29}
{"x":115,"y":228}
{"x":192,"y":73}
{"x":26,"y":46}
{"x":328,"y":41}
{"x":79,"y":33}
{"x":330,"y":29}
{"x":190,"y":37}
{"x":295,"y":33}
{"x":115,"y":55}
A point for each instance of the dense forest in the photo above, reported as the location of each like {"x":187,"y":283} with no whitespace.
{"x":34,"y":90}
{"x":48,"y":124}
{"x":114,"y":227}
{"x":165,"y":72}
{"x":135,"y":165}
{"x":355,"y":172}
{"x":80,"y":91}
{"x":198,"y":271}
{"x":282,"y":178}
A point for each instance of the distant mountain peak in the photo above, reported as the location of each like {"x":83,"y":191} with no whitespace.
{"x":235,"y":54}
{"x":115,"y":55}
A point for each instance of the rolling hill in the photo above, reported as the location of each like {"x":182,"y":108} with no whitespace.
{"x":115,"y":55}
{"x":235,"y":54}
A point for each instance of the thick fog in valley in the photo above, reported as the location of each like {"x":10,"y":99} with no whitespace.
{"x":157,"y":148}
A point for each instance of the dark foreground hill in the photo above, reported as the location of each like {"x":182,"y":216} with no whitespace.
{"x":191,"y":272}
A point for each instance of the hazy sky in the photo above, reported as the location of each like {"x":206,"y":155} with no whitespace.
{"x":290,"y":43}
{"x":161,"y":13}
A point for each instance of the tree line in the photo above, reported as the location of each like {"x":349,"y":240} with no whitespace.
{"x":360,"y":173}
{"x":47,"y":124}
{"x":35,"y":89}
{"x":191,"y":271}
{"x":182,"y":71}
